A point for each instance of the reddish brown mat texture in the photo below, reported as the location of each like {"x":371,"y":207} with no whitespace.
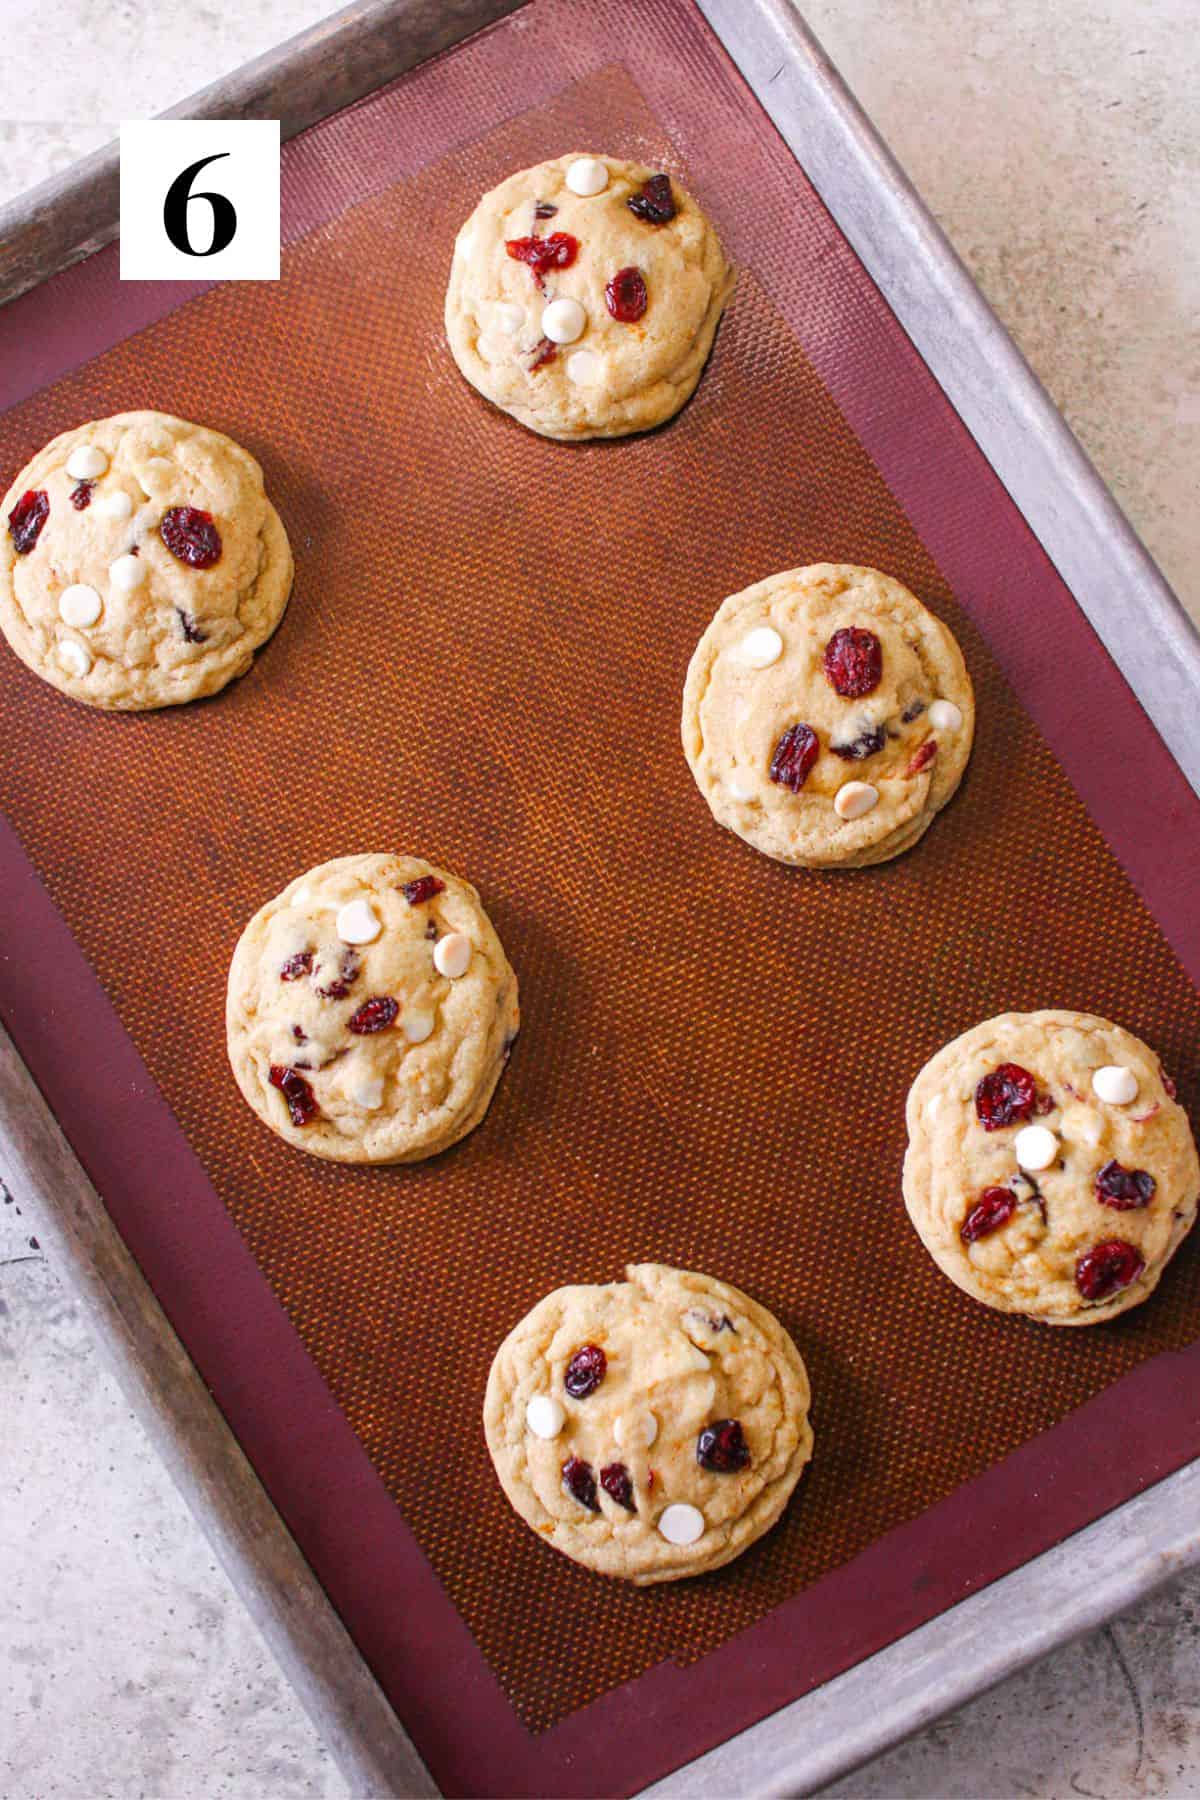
{"x":482,"y":663}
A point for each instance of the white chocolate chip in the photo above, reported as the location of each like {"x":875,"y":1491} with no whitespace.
{"x":508,"y":317}
{"x":127,"y":573}
{"x":367,"y":1092}
{"x":945,"y":716}
{"x":854,"y":798}
{"x":79,"y":605}
{"x":586,"y":177}
{"x":740,"y":787}
{"x":634,"y":1431}
{"x":86,"y":463}
{"x":584,"y":366}
{"x":417,"y":1025}
{"x":452,"y":955}
{"x":116,"y":505}
{"x":563,"y":321}
{"x":1036,"y":1147}
{"x":681,"y":1523}
{"x":1091,"y":1129}
{"x":358,"y":923}
{"x":1116,"y":1085}
{"x":544,"y":1416}
{"x":761,"y":647}
{"x":73,"y":657}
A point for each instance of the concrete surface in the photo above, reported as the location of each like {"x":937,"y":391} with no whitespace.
{"x":1059,"y":147}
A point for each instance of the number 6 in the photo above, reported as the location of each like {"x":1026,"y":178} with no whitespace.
{"x":179,"y":198}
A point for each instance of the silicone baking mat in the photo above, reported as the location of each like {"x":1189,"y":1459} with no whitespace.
{"x":482,"y":662}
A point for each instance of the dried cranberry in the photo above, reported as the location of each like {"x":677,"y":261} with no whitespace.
{"x":191,"y":631}
{"x":544,"y":210}
{"x":344,"y":980}
{"x":1168,"y":1084}
{"x":654,"y":203}
{"x":558,"y":251}
{"x":422,"y":889}
{"x":301,"y":1105}
{"x":625,"y":296}
{"x":912,"y":711}
{"x":616,"y":1482}
{"x":191,"y":535}
{"x":373,"y":1015}
{"x":1004,"y":1096}
{"x":865,"y":744}
{"x":26,"y":519}
{"x":1106,"y":1268}
{"x":722,"y":1447}
{"x":81,"y":495}
{"x":994,"y":1208}
{"x":300,"y":1036}
{"x":544,"y":352}
{"x":580,"y":1482}
{"x":923,"y":757}
{"x":296,"y":966}
{"x":795,"y":754}
{"x":853,"y":662}
{"x":1124,"y":1189}
{"x":585,"y":1371}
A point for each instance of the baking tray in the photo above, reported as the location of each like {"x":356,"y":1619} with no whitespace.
{"x":830,"y":143}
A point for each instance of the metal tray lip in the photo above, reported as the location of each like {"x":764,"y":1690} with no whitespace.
{"x":709,"y":7}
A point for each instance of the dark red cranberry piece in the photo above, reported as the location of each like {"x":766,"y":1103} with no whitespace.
{"x":722,"y":1447}
{"x":344,"y":980}
{"x":626,"y":297}
{"x":654,"y":203}
{"x":301,"y":1105}
{"x":373,"y":1015}
{"x":558,"y":251}
{"x":422,"y":889}
{"x":912,"y":711}
{"x":1107,"y":1268}
{"x":585,"y":1371}
{"x":795,"y":754}
{"x":81,"y":495}
{"x":300,"y":1036}
{"x":296,"y":966}
{"x":853,"y":662}
{"x":923,"y":757}
{"x":616,"y":1482}
{"x":994,"y":1208}
{"x":579,"y":1480}
{"x":545,"y":352}
{"x":191,"y":535}
{"x":191,"y":631}
{"x":26,"y":519}
{"x":1124,"y":1189}
{"x":1168,"y":1085}
{"x":1004,"y":1096}
{"x":865,"y":744}
{"x":544,"y":210}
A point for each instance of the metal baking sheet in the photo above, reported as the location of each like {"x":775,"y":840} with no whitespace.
{"x":852,"y":1743}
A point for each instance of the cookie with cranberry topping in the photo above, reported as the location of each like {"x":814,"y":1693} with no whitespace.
{"x":650,"y":1428}
{"x":141,"y":563}
{"x":584,"y":296}
{"x":827,"y":716}
{"x":371,"y":1010}
{"x":1050,"y":1169}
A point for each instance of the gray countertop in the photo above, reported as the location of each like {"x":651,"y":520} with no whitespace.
{"x":1059,"y":148}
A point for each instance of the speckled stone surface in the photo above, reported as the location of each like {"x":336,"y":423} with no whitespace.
{"x":1059,"y":148}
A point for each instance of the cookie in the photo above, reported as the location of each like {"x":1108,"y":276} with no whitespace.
{"x":827,"y":716}
{"x":650,"y":1428}
{"x":371,"y":1010}
{"x":584,"y":296}
{"x":142,"y":564}
{"x":1050,"y":1170}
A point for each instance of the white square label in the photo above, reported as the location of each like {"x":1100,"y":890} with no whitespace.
{"x":200,"y":200}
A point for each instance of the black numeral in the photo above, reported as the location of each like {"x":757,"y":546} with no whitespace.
{"x":180,"y":197}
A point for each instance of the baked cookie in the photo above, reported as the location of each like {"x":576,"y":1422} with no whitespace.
{"x":143,"y":564}
{"x":371,"y":1010}
{"x":584,"y":295}
{"x":1050,"y":1170}
{"x":827,"y":716}
{"x":651,"y":1428}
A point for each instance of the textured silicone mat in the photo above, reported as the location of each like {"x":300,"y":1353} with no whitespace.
{"x":482,"y":662}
